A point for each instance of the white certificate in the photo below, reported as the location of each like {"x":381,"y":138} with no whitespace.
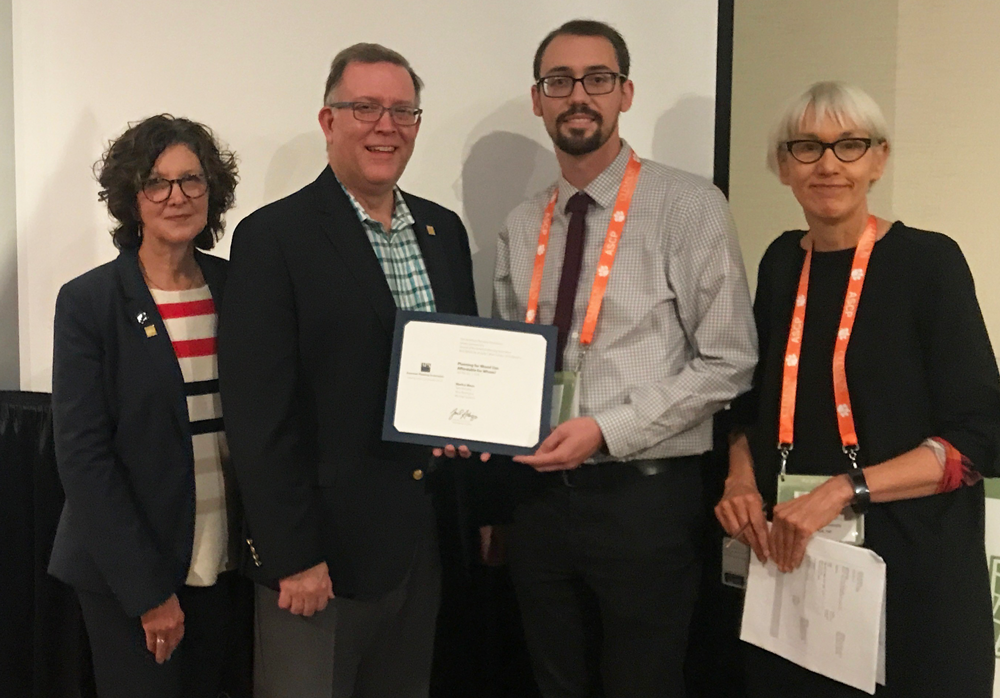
{"x":469,"y":384}
{"x":827,"y":616}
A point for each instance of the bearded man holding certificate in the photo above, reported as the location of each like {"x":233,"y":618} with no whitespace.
{"x":638,"y":266}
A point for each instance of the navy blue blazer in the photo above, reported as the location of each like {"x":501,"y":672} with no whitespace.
{"x":123,"y":439}
{"x":304,"y":344}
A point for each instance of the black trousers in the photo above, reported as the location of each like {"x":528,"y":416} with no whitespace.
{"x":606,"y":578}
{"x":214,"y":655}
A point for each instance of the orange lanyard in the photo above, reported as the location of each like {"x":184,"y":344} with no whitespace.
{"x":608,"y":251}
{"x":790,"y":380}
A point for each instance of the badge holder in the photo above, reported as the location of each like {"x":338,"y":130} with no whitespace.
{"x":735,"y":563}
{"x":848,"y":527}
{"x":566,"y":393}
{"x":565,"y":397}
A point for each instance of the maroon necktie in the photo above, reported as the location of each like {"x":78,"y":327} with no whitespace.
{"x":570,"y":277}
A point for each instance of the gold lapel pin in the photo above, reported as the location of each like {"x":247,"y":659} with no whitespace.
{"x":430,"y":230}
{"x":142,"y":318}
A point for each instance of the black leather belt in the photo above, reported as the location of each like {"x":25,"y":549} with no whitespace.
{"x":611,"y":473}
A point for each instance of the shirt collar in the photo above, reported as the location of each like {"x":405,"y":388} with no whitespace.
{"x":604,"y":189}
{"x":401,"y":216}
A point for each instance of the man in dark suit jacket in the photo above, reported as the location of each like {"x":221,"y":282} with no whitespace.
{"x":333,"y":512}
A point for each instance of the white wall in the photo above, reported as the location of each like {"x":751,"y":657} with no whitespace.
{"x":255,"y":74}
{"x":9,"y":375}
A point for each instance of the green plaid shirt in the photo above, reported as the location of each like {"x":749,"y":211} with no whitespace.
{"x":399,"y":255}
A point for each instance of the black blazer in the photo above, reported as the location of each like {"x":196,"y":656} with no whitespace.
{"x":123,"y":439}
{"x":304,"y":349}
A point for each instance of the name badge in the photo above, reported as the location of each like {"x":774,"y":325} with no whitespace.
{"x":735,"y":563}
{"x":848,"y":527}
{"x":565,"y":397}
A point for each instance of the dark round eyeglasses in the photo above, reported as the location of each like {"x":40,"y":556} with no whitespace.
{"x":370,"y":112}
{"x":808,"y":151}
{"x":158,"y":189}
{"x":598,"y":83}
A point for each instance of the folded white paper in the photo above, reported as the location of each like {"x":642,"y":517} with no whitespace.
{"x":827,"y":616}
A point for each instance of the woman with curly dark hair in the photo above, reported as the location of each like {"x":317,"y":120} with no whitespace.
{"x":149,"y":528}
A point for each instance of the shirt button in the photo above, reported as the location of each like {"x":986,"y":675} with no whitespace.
{"x":418,"y":474}
{"x":575,"y":335}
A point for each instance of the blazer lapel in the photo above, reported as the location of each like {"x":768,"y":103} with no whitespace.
{"x":342,"y":227}
{"x":214,"y":275}
{"x":142,"y":314}
{"x":435,"y":261}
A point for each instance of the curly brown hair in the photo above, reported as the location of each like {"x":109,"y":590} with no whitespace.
{"x":129,"y":159}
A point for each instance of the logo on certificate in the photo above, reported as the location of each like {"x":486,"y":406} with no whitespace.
{"x":425,"y":368}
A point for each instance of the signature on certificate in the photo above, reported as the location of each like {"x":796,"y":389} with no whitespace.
{"x":461,"y":415}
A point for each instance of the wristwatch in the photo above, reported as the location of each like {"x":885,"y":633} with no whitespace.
{"x":862,"y":497}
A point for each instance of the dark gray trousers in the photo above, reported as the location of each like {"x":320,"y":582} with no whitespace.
{"x":352,"y":649}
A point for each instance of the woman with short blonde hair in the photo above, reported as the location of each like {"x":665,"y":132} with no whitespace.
{"x":877,"y":393}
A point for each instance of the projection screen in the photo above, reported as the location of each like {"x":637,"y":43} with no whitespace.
{"x":254,"y":72}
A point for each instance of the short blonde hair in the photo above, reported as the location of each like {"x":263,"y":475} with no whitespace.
{"x":844,"y":103}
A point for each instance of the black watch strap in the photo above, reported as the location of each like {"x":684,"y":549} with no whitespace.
{"x":862,"y":497}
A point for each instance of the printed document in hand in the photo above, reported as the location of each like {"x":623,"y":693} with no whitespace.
{"x":827,"y":616}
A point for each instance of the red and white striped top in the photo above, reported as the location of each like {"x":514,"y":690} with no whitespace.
{"x":190,"y":319}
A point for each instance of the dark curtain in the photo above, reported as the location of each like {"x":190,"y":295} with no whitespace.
{"x":43,"y":648}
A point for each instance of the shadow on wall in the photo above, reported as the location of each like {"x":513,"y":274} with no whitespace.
{"x":681,"y":134}
{"x":501,"y":170}
{"x":294,"y":164}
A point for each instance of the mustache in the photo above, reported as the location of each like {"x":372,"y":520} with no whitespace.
{"x":579,"y":109}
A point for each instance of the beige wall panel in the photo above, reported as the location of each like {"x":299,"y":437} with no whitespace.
{"x":947,"y":151}
{"x":9,"y":368}
{"x":779,"y":48}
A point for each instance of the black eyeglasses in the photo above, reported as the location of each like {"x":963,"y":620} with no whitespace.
{"x":599,"y":83}
{"x":369,"y":112}
{"x":846,"y":149}
{"x":158,"y":190}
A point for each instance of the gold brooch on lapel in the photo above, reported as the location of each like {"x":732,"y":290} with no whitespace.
{"x":142,"y":318}
{"x":430,"y":230}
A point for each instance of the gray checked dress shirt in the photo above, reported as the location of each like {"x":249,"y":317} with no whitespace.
{"x":675,"y":340}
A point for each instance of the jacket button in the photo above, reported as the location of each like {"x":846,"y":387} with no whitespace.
{"x":253,"y":552}
{"x":418,"y":474}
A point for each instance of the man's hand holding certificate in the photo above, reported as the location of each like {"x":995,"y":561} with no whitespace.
{"x":569,"y":445}
{"x":485,"y":384}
